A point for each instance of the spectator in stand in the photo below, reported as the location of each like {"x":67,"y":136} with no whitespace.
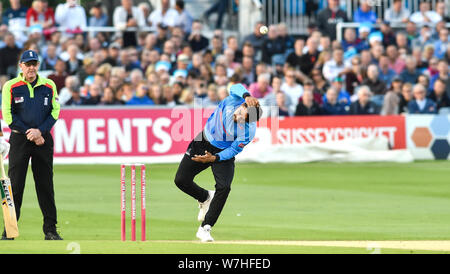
{"x":248,"y":51}
{"x":363,"y":34}
{"x":441,"y":10}
{"x":411,"y":73}
{"x":72,"y":92}
{"x":272,"y":46}
{"x":402,"y":42}
{"x":424,"y":81}
{"x":377,"y":86}
{"x":271,"y":99}
{"x":329,"y":17}
{"x":411,"y":31}
{"x":125,"y":91}
{"x":256,"y":38}
{"x":98,"y":17}
{"x":87,"y":71}
{"x":232,"y":43}
{"x":365,"y":14}
{"x":59,"y":75}
{"x":386,"y":74}
{"x":387,"y":33}
{"x":128,"y":59}
{"x":9,"y":56}
{"x":167,"y":96}
{"x":212,"y":98}
{"x":294,"y":58}
{"x":162,"y":36}
{"x":405,"y":97}
{"x":50,"y":57}
{"x":439,"y":96}
{"x":396,"y":63}
{"x":222,"y":72}
{"x":156,"y":93}
{"x":350,"y":40}
{"x":308,"y":60}
{"x":431,"y":70}
{"x":363,"y":105}
{"x":113,"y":54}
{"x":95,"y":95}
{"x":397,"y":14}
{"x":376,"y":49}
{"x":229,"y":55}
{"x":391,"y":102}
{"x":200,"y":93}
{"x":109,"y":97}
{"x":39,"y":15}
{"x":281,"y":104}
{"x":423,"y":39}
{"x":182,"y":63}
{"x":441,"y":45}
{"x":262,"y":87}
{"x":308,"y":85}
{"x":14,"y":18}
{"x":141,"y":97}
{"x":71,"y":16}
{"x":222,"y":93}
{"x":94,"y":47}
{"x":165,"y":15}
{"x":335,"y":67}
{"x":291,"y":88}
{"x":216,"y":46}
{"x":128,"y":16}
{"x":197,"y":41}
{"x":424,"y":15}
{"x":286,"y":39}
{"x":354,"y":77}
{"x":419,"y":55}
{"x":320,"y":83}
{"x":248,"y":70}
{"x":443,"y":74}
{"x":184,"y":19}
{"x":307,"y":105}
{"x":420,"y":104}
{"x":146,"y":9}
{"x":73,"y":64}
{"x":343,"y":96}
{"x":332,"y":105}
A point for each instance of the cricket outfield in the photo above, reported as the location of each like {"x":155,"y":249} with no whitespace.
{"x":272,"y":208}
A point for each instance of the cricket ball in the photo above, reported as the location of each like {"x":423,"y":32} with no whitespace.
{"x":263,"y":30}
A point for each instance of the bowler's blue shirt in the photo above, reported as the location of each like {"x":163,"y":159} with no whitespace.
{"x":223,"y":132}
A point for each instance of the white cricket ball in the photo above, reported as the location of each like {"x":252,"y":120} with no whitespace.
{"x":263,"y":29}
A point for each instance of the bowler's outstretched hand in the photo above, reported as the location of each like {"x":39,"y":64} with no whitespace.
{"x":207,"y":158}
{"x":251,"y":101}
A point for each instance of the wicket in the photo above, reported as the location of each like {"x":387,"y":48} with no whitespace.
{"x":133,"y":201}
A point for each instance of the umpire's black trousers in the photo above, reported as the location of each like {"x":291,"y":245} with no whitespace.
{"x":223,"y":174}
{"x":21,"y":151}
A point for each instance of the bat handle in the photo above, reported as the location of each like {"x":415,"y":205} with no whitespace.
{"x":2,"y":167}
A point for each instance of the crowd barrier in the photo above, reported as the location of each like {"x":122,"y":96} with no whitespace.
{"x":161,"y":135}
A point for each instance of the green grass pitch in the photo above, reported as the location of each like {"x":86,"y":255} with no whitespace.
{"x":268,"y":202}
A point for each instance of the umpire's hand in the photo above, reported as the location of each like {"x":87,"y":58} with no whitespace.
{"x":207,"y":158}
{"x":33,"y":134}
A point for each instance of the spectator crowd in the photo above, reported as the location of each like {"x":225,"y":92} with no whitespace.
{"x":380,"y":67}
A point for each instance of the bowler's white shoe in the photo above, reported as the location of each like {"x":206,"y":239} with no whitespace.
{"x":204,"y":207}
{"x":204,"y":234}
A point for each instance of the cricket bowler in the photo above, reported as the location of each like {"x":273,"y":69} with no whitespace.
{"x":228,"y":130}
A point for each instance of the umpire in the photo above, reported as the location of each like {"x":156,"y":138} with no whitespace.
{"x":30,"y":107}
